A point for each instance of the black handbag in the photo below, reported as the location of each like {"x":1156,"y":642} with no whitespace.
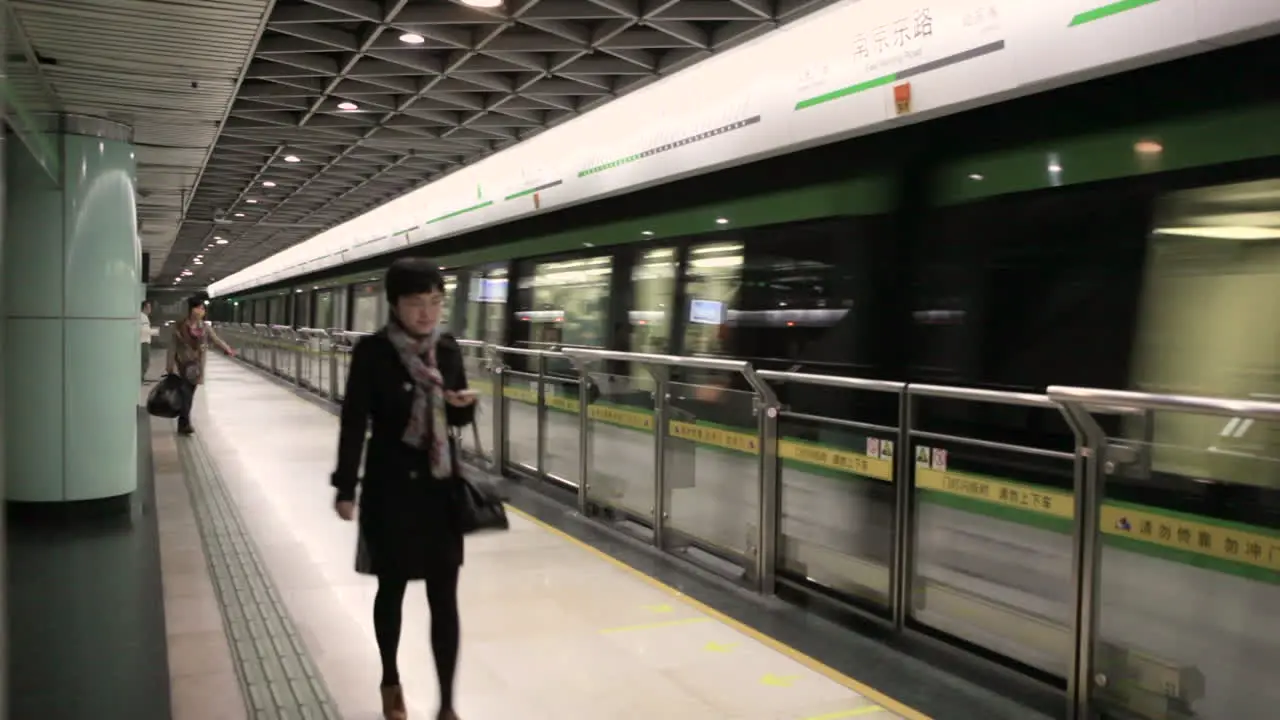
{"x":165,"y":399}
{"x":478,"y":507}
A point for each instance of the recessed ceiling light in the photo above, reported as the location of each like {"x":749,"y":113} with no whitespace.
{"x":268,"y":183}
{"x":483,"y":3}
{"x":348,"y":105}
{"x":292,"y":158}
{"x":412,"y":39}
{"x":975,"y":176}
{"x":1055,"y":168}
{"x":646,"y":232}
{"x":722,"y":221}
{"x":239,"y":214}
{"x":251,"y":201}
{"x":221,"y":241}
{"x":1148,"y":147}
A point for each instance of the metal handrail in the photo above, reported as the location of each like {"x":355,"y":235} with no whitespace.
{"x":1123,"y":400}
{"x":835,"y":381}
{"x":750,"y":374}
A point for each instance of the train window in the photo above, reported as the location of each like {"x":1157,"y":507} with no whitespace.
{"x":714,"y":279}
{"x":367,"y":307}
{"x":1206,"y":324}
{"x":450,"y":293}
{"x":486,"y":310}
{"x":653,"y":281}
{"x":565,"y":302}
{"x":302,"y":308}
{"x":1022,"y":291}
{"x":324,"y":310}
{"x":805,"y":287}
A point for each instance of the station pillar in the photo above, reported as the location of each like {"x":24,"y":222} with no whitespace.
{"x":71,"y":302}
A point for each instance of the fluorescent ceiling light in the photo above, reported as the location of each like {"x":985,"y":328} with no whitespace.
{"x":221,"y":241}
{"x":483,"y":3}
{"x":412,"y":39}
{"x":348,"y":105}
{"x":1224,"y":232}
{"x":239,"y":214}
{"x":268,"y":183}
{"x":292,"y":158}
{"x":646,"y":233}
{"x":251,"y":201}
{"x":722,"y":221}
{"x":975,"y":176}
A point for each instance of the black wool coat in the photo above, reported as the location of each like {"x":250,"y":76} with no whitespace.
{"x":408,"y":528}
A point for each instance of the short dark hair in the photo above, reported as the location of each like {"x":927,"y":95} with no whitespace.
{"x":412,"y":276}
{"x":144,"y":304}
{"x":194,"y":302}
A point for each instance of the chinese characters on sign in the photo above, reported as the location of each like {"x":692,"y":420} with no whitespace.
{"x":900,"y":34}
{"x":1222,"y":542}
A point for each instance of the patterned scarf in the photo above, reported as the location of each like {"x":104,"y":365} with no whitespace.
{"x":427,"y":426}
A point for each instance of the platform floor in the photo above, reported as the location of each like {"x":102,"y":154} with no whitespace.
{"x":552,"y":628}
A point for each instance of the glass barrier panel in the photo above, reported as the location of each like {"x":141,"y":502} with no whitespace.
{"x":836,"y":506}
{"x":992,"y":562}
{"x":621,"y":446}
{"x":1189,"y":577}
{"x":712,"y":470}
{"x":344,"y":363}
{"x":564,"y":437}
{"x":520,"y":398}
{"x":481,"y":380}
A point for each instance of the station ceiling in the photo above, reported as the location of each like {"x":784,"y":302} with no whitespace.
{"x":261,"y":124}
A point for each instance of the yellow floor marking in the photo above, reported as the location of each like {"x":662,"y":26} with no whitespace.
{"x":778,"y":680}
{"x":859,"y":712}
{"x":654,"y":625}
{"x":659,"y":608}
{"x":716,"y":647}
{"x":864,"y":690}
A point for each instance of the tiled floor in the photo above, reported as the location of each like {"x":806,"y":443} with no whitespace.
{"x":551,"y":629}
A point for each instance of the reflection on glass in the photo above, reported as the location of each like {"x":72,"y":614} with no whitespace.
{"x":568,"y":304}
{"x":715,"y":277}
{"x":1207,"y":325}
{"x":450,"y":290}
{"x":324,"y":310}
{"x":486,"y":305}
{"x":367,"y":314}
{"x":654,"y":286}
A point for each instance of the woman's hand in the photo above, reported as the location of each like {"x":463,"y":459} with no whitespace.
{"x":345,"y":509}
{"x":460,"y":398}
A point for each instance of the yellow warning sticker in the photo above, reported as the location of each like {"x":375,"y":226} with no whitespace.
{"x":627,"y":418}
{"x":714,"y":436}
{"x":997,"y":492}
{"x":845,"y":461}
{"x":1225,"y":543}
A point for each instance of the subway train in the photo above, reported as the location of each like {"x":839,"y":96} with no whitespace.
{"x":1122,"y":233}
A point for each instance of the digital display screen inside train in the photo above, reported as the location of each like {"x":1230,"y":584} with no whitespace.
{"x":706,"y":312}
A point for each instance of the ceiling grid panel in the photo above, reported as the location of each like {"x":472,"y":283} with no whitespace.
{"x":348,"y":104}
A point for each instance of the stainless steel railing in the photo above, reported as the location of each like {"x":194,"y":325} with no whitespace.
{"x":1094,"y":459}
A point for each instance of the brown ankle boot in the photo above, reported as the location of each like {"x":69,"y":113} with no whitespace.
{"x":393,"y":703}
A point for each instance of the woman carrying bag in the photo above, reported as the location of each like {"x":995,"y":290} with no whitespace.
{"x":188,"y":350}
{"x":408,"y":381}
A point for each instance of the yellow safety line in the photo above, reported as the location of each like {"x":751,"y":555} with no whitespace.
{"x":836,"y":676}
{"x":859,"y":712}
{"x":654,"y":625}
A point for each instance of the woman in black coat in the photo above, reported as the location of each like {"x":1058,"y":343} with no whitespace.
{"x":408,"y":381}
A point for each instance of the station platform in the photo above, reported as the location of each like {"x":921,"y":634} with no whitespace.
{"x":265,"y":616}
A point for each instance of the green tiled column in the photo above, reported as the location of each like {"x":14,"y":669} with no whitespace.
{"x":71,"y":281}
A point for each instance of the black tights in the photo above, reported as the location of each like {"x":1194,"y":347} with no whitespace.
{"x":442,"y":597}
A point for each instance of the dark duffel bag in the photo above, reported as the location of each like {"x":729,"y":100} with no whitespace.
{"x":165,"y":399}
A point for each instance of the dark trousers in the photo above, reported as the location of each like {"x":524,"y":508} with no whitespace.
{"x":188,"y":391}
{"x":146,"y":359}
